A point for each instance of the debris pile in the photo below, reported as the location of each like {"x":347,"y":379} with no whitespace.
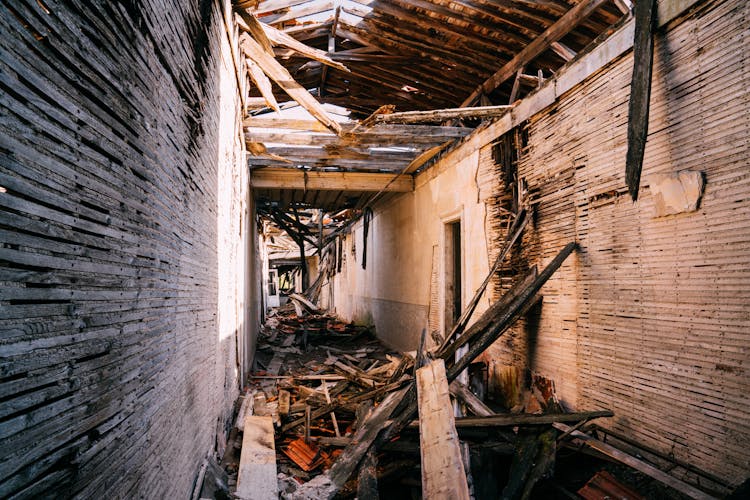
{"x":350,"y":418}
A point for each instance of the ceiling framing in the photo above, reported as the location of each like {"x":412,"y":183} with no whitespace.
{"x":385,"y":58}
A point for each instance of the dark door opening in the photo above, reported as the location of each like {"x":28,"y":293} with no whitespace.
{"x":452,"y":274}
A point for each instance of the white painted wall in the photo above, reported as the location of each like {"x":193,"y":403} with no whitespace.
{"x":393,"y":293}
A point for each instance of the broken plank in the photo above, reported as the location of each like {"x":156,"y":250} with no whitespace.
{"x":281,"y":76}
{"x":554,"y":33}
{"x":326,"y":485}
{"x":637,"y":464}
{"x":256,"y":477}
{"x":263,"y":83}
{"x":528,"y":419}
{"x":439,"y":115}
{"x":367,"y":484}
{"x":472,"y":402}
{"x":284,"y":402}
{"x":443,"y":474}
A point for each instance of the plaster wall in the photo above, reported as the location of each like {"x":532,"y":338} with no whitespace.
{"x":405,"y":251}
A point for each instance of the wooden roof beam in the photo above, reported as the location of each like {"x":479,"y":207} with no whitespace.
{"x":439,"y":115}
{"x":285,"y":178}
{"x":554,"y":33}
{"x":281,"y":76}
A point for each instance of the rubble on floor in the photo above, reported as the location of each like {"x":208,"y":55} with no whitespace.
{"x":354,"y":419}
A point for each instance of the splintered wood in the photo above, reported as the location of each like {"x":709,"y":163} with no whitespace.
{"x":443,"y":475}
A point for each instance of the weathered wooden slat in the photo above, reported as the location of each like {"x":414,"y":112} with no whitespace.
{"x":443,"y":474}
{"x":256,"y":475}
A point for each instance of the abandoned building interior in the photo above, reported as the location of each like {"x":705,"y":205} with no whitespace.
{"x":374,"y":248}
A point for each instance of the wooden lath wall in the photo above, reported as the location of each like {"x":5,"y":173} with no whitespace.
{"x":120,"y":177}
{"x":652,"y":318}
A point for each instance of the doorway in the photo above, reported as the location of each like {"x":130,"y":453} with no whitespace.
{"x":453,"y":283}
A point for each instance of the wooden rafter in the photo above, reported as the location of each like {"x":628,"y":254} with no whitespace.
{"x":554,"y":33}
{"x":281,"y":76}
{"x":281,"y":178}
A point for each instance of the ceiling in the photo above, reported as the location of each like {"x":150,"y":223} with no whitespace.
{"x":410,"y":55}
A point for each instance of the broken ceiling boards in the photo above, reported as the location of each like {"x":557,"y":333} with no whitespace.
{"x":443,"y":475}
{"x":554,"y":33}
{"x":420,"y":54}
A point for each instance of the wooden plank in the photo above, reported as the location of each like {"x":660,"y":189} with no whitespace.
{"x":554,"y":33}
{"x":472,"y":402}
{"x":639,"y":465}
{"x":263,"y":83}
{"x":443,"y":474}
{"x":281,"y":76}
{"x":640,"y":93}
{"x":256,"y":475}
{"x":279,"y":178}
{"x":439,"y":115}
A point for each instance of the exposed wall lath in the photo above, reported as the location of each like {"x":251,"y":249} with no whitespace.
{"x":123,"y":231}
{"x":652,"y":320}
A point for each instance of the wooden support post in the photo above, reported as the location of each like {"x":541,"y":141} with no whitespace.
{"x":443,"y":475}
{"x":256,"y":477}
{"x":640,"y":93}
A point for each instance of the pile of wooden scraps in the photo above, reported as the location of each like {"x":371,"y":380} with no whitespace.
{"x":350,"y":418}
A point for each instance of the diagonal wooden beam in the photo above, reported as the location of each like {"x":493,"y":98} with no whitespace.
{"x":263,"y":83}
{"x":562,"y":27}
{"x":439,"y":115}
{"x":281,"y":76}
{"x":287,"y":178}
{"x":640,"y":93}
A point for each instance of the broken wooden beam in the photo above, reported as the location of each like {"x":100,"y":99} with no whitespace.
{"x":489,"y":315}
{"x":281,"y":76}
{"x":472,"y":402}
{"x":640,"y":93}
{"x":367,"y":484}
{"x":527,"y":419}
{"x":554,"y":33}
{"x":639,"y":465}
{"x":439,"y":115}
{"x":256,"y":476}
{"x":514,"y":310}
{"x":515,"y":420}
{"x":519,"y":224}
{"x":443,"y":475}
